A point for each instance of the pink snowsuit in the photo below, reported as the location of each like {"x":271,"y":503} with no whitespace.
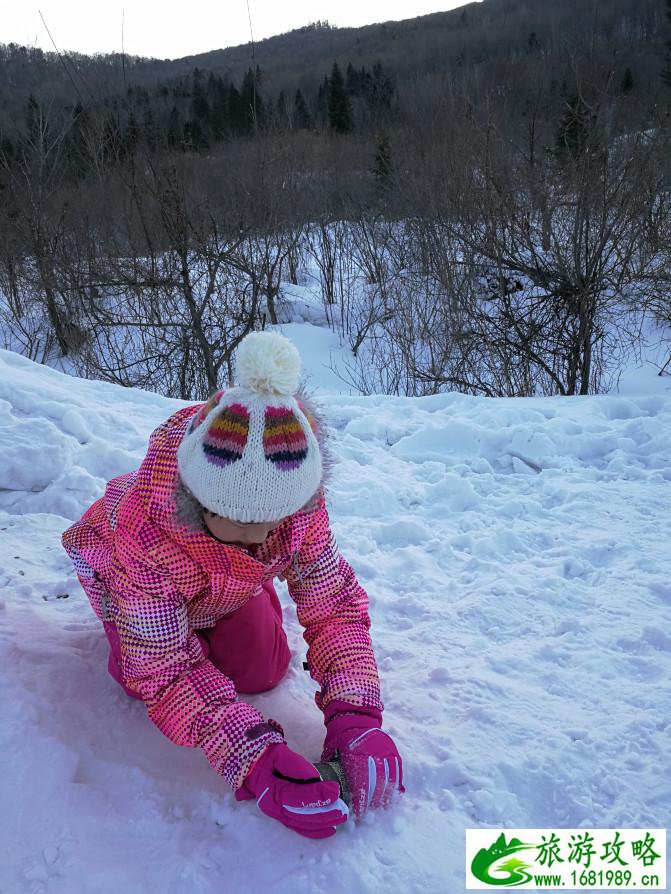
{"x":155,"y":583}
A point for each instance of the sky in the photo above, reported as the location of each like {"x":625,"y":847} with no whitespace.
{"x":171,"y":30}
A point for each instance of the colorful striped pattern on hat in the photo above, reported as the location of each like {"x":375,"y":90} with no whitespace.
{"x":204,"y":410}
{"x":284,"y":441}
{"x":225,"y":439}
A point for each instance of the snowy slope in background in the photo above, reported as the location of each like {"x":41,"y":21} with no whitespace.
{"x":516,"y":556}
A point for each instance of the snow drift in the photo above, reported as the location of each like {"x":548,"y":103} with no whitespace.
{"x":516,"y":556}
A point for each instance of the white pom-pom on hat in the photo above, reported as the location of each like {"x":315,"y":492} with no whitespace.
{"x":253,"y":453}
{"x":267,"y":363}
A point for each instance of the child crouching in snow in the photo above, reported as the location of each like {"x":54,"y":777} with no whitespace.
{"x":177,"y":560}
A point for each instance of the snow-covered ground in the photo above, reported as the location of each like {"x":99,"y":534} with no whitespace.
{"x":517,"y":557}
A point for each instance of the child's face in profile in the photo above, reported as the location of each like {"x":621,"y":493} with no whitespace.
{"x":238,"y":532}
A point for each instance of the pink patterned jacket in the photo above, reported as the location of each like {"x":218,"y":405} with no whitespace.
{"x":159,"y":581}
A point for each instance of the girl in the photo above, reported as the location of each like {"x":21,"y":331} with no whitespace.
{"x":177,"y":560}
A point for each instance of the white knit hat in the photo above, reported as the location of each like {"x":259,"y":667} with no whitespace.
{"x":250,"y":453}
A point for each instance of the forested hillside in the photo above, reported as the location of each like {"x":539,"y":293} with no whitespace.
{"x":390,"y":71}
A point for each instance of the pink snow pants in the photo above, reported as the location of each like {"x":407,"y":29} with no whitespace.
{"x":249,"y":645}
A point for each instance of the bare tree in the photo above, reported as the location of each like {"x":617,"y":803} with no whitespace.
{"x":36,"y":221}
{"x":560,"y":245}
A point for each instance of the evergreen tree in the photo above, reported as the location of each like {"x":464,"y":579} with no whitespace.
{"x":282,"y":111}
{"x":351,"y":80}
{"x":302,"y":119}
{"x":174,"y":129}
{"x":252,"y":101}
{"x":382,"y":166}
{"x":236,"y":112}
{"x":200,"y":107}
{"x":364,"y":84}
{"x":574,"y":128}
{"x":219,"y":119}
{"x":340,"y":111}
{"x":323,"y":99}
{"x":249,"y":102}
{"x":77,"y":145}
{"x":627,"y":81}
{"x":380,"y":89}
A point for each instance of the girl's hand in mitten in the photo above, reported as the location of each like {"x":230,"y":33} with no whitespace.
{"x":368,"y":756}
{"x":288,"y":788}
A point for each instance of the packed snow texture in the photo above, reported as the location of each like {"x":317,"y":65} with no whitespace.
{"x":516,"y":556}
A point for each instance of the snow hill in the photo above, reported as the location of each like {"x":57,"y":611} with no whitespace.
{"x":516,"y":555}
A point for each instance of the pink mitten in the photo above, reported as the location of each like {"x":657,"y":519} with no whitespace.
{"x":368,"y":755}
{"x":288,"y":788}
